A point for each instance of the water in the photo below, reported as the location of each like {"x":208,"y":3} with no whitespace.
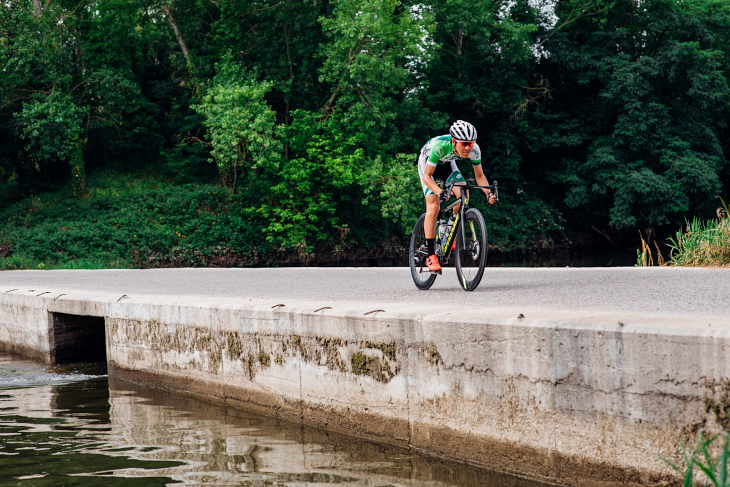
{"x":72,"y":425}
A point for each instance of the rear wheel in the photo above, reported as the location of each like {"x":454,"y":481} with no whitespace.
{"x":417,"y":255}
{"x":471,"y":250}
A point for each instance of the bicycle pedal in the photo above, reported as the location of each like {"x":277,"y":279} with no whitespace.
{"x":435,"y":272}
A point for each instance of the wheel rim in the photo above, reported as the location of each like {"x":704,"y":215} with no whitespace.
{"x":471,"y":252}
{"x":418,"y":255}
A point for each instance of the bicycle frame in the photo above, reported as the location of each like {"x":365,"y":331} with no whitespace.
{"x":463,"y":200}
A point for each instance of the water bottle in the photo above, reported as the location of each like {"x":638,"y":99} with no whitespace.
{"x":447,"y":230}
{"x":441,"y":224}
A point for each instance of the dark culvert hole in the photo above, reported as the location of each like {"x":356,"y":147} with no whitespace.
{"x":78,"y":338}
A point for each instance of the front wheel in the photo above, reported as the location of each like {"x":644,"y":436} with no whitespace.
{"x":417,"y":255}
{"x":471,"y":249}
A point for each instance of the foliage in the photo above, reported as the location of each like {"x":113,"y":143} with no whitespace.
{"x":48,"y":124}
{"x":610,"y":114}
{"x":319,"y":192}
{"x":702,"y":465}
{"x":240,"y":124}
{"x":127,"y":222}
{"x":394,"y":185}
{"x":649,"y":142}
{"x":703,"y":243}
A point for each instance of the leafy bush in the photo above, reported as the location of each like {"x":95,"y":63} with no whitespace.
{"x":125,"y":222}
{"x":703,"y":243}
{"x":240,"y":123}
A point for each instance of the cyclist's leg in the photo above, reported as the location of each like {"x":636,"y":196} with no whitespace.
{"x":432,"y":211}
{"x":458,"y":178}
{"x":432,"y":202}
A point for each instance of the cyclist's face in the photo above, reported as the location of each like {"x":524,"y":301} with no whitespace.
{"x":462,"y":149}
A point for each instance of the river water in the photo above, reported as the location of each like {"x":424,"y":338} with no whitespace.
{"x":72,"y":425}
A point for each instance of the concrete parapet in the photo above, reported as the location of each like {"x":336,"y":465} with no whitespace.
{"x":586,"y":400}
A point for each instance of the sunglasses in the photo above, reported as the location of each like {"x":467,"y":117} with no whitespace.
{"x":466,"y":145}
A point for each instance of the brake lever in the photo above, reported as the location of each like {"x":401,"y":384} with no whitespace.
{"x":444,"y":196}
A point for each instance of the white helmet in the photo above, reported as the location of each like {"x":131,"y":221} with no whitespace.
{"x":463,"y":131}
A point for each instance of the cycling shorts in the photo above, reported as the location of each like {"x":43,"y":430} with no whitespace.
{"x":446,"y":172}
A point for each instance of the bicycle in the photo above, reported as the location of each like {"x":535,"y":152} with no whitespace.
{"x":466,"y":237}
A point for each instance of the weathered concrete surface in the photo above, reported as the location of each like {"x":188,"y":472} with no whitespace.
{"x":582,"y":400}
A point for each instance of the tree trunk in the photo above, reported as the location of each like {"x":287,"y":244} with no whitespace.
{"x":37,"y":7}
{"x":286,"y":122}
{"x":173,"y":23}
{"x":235,"y":176}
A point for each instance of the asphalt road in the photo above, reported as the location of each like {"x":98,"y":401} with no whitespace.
{"x":640,"y":291}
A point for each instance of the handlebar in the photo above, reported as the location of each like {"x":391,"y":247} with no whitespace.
{"x":470,"y":184}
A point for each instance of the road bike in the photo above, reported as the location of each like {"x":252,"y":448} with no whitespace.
{"x":463,"y":237}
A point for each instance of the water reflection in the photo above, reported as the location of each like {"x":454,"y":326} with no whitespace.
{"x":79,"y":427}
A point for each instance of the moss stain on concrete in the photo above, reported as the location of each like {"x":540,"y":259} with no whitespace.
{"x":388,"y":349}
{"x":256,"y":352}
{"x":264,"y":359}
{"x":432,"y":354}
{"x":718,"y":402}
{"x":234,"y":346}
{"x":371,"y":366}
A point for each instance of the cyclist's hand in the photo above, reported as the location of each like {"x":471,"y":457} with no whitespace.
{"x":492,"y":198}
{"x":443,"y":196}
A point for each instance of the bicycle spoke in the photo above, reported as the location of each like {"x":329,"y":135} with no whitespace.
{"x":417,"y":256}
{"x":472,"y":244}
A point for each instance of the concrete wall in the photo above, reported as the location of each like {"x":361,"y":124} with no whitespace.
{"x":581,"y":402}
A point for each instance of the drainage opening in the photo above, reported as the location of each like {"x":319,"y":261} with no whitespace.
{"x":78,"y":338}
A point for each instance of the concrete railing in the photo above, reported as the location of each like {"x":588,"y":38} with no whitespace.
{"x":580,"y":402}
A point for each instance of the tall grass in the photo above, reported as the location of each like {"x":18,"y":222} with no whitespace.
{"x":703,"y":467}
{"x":703,"y":244}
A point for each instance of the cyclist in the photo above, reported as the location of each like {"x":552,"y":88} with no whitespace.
{"x":438,"y":158}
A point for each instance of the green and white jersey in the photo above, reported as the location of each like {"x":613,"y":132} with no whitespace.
{"x":439,"y":151}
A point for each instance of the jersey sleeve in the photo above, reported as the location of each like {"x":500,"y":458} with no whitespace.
{"x":476,"y":155}
{"x":438,"y":151}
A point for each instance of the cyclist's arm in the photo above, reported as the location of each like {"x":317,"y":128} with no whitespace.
{"x":482,"y":181}
{"x":429,"y":181}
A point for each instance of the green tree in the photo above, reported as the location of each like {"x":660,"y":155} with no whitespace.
{"x":240,"y":123}
{"x":369,"y":112}
{"x":72,"y":60}
{"x":640,"y":97}
{"x":51,"y":126}
{"x":370,"y":71}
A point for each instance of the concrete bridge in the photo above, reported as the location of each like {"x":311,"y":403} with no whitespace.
{"x":576,"y":376}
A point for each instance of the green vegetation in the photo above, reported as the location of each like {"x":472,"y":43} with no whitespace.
{"x":128,"y":222}
{"x":705,"y":465}
{"x":360,"y":363}
{"x":198,"y":132}
{"x":703,"y":244}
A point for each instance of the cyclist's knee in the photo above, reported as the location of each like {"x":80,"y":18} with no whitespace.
{"x":432,"y":203}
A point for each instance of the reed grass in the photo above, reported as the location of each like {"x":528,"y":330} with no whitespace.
{"x":703,"y":244}
{"x":705,"y":465}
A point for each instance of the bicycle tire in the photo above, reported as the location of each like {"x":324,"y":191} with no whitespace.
{"x":471,"y":257}
{"x":417,"y":254}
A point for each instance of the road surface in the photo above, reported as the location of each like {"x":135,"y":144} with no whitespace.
{"x":678,"y":292}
